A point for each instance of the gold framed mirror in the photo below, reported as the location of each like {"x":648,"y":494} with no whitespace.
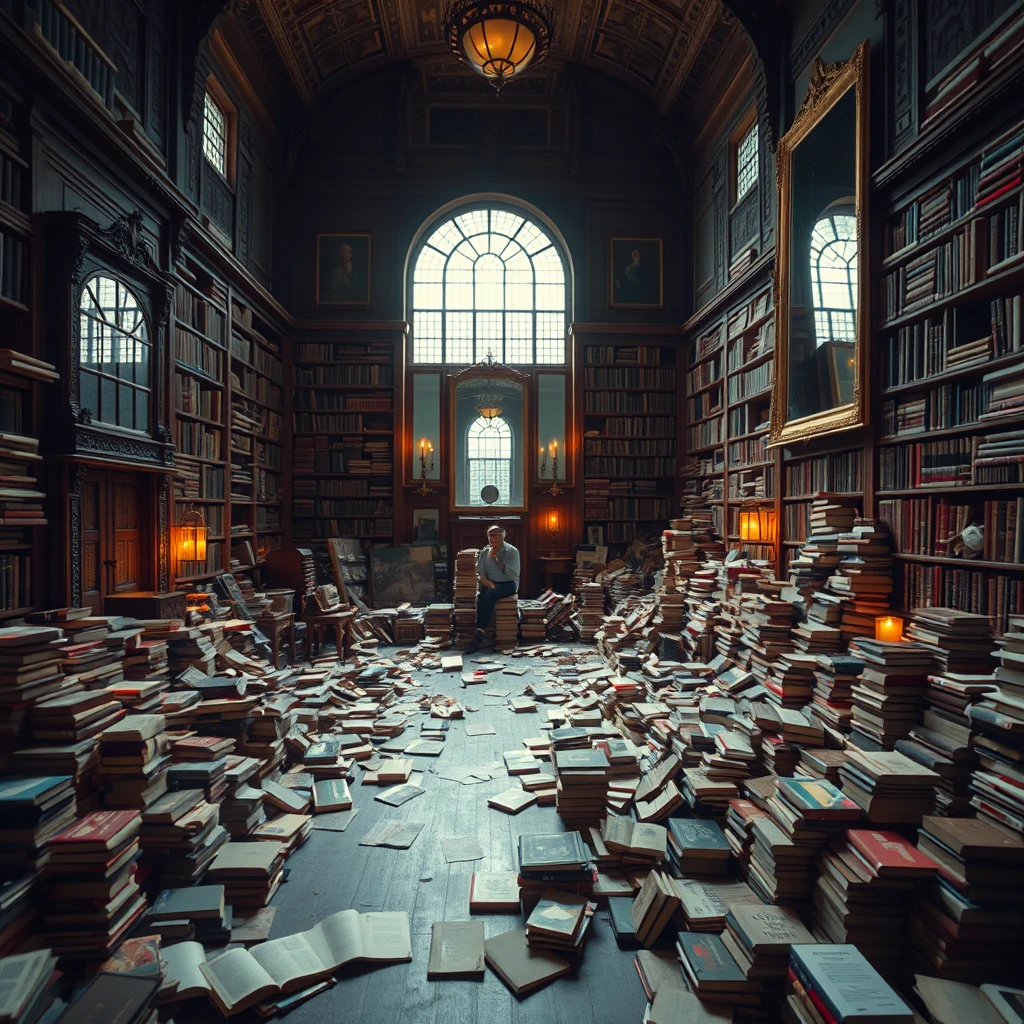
{"x":822,"y":277}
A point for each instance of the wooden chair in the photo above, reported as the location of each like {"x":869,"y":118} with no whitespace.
{"x":340,"y":621}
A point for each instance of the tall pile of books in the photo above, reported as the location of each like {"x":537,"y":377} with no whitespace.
{"x":180,"y":835}
{"x":465,"y":587}
{"x":134,"y":761}
{"x":582,"y":787}
{"x":832,"y":699}
{"x":888,"y":697}
{"x":506,"y":622}
{"x":819,"y":557}
{"x":889,"y":787}
{"x":997,"y":784}
{"x":967,"y":923}
{"x":959,"y":641}
{"x":559,"y":859}
{"x":863,"y":577}
{"x":703,"y":602}
{"x":437,"y":621}
{"x":94,"y":899}
{"x":559,"y":922}
{"x":866,"y":886}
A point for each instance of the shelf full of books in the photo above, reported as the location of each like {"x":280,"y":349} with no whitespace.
{"x":343,"y":437}
{"x":950,"y":460}
{"x":228,"y":422}
{"x":729,"y":371}
{"x":256,"y":432}
{"x":630,"y":431}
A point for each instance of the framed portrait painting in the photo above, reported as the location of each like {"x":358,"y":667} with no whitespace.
{"x":343,"y":270}
{"x":636,"y":274}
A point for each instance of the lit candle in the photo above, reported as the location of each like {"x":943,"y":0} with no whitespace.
{"x":423,"y":448}
{"x":889,"y":628}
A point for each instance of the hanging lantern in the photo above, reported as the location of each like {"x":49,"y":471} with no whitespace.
{"x":190,"y":537}
{"x":757,"y":526}
{"x":489,"y":406}
{"x":499,"y":39}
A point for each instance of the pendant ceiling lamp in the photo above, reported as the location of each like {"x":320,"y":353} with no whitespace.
{"x":499,"y":39}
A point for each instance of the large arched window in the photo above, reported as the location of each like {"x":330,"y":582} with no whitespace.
{"x":834,"y":275}
{"x":488,"y":282}
{"x":489,"y":453}
{"x":114,"y":354}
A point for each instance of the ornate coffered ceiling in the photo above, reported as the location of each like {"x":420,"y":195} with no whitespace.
{"x":662,"y":48}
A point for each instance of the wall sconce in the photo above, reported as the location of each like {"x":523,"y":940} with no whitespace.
{"x":554,"y":490}
{"x":553,"y":523}
{"x":190,"y":537}
{"x":757,"y":526}
{"x":426,"y":448}
{"x":889,"y":628}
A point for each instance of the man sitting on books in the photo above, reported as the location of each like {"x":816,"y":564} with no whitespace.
{"x":497,"y":566}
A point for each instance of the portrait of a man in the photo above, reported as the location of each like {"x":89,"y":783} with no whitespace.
{"x":635,"y":266}
{"x":343,"y":270}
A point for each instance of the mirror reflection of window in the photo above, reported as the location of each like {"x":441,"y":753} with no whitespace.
{"x":834,"y":274}
{"x":489,"y":453}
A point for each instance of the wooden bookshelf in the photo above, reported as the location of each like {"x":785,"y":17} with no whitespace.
{"x":952,"y":286}
{"x":228,"y":392}
{"x":629,"y":403}
{"x":343,"y":440}
{"x":730,"y":359}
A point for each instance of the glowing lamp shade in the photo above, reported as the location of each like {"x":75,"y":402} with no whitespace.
{"x":757,"y":526}
{"x":499,"y":39}
{"x":190,"y":537}
{"x":499,"y":48}
{"x":889,"y":627}
{"x":553,"y":521}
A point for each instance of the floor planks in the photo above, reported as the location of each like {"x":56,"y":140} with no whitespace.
{"x":332,"y":872}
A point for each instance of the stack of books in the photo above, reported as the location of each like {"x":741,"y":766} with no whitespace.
{"x":713,"y":973}
{"x":704,"y":904}
{"x":250,"y":873}
{"x":697,"y":848}
{"x":960,"y":642}
{"x":582,"y":785}
{"x":1001,"y":165}
{"x":866,"y":885}
{"x":33,"y":809}
{"x":198,"y":913}
{"x":590,"y":598}
{"x":889,"y":787}
{"x":739,"y":820}
{"x":965,"y":925}
{"x":759,"y":940}
{"x":30,"y":986}
{"x":888,"y":697}
{"x":634,"y":843}
{"x":559,"y":859}
{"x":464,"y":590}
{"x":654,"y":907}
{"x":832,"y":699}
{"x":177,"y":830}
{"x":506,"y":623}
{"x":95,"y":899}
{"x":836,"y":982}
{"x":559,"y":922}
{"x":437,"y":621}
{"x":209,"y":776}
{"x":997,"y":784}
{"x":134,"y":761}
{"x":863,"y":577}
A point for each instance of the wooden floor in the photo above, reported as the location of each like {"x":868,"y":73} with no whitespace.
{"x":332,"y":872}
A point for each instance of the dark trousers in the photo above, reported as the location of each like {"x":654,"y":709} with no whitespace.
{"x":487,"y":598}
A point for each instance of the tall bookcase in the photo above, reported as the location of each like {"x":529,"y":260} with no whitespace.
{"x":730,"y":360}
{"x":951,"y":373}
{"x":343,"y":430}
{"x":228,"y":392}
{"x":21,"y":384}
{"x":629,"y":402}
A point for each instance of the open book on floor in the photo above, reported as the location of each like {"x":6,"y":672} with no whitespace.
{"x":240,"y":978}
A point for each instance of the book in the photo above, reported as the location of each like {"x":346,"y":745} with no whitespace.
{"x":767,"y":929}
{"x":196,"y":902}
{"x":456,"y":949}
{"x":26,"y":976}
{"x":553,"y":852}
{"x":512,"y":801}
{"x":183,"y":978}
{"x":818,"y":799}
{"x":620,"y":917}
{"x":113,"y":997}
{"x":952,"y":1002}
{"x":240,"y":978}
{"x":558,"y":915}
{"x":521,"y":967}
{"x":331,"y":795}
{"x":847,"y":986}
{"x":707,"y":963}
{"x":672,"y":1005}
{"x":494,"y":892}
{"x":637,"y":840}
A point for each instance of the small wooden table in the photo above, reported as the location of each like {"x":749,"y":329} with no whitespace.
{"x":276,"y":625}
{"x":340,"y":621}
{"x":552,"y":566}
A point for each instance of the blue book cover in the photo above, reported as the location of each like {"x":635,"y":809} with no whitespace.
{"x":697,"y":834}
{"x":29,"y":790}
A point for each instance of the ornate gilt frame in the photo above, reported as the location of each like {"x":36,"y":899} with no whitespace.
{"x":829,"y":84}
{"x":487,"y":369}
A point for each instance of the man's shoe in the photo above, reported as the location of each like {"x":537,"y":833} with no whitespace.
{"x":476,"y":643}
